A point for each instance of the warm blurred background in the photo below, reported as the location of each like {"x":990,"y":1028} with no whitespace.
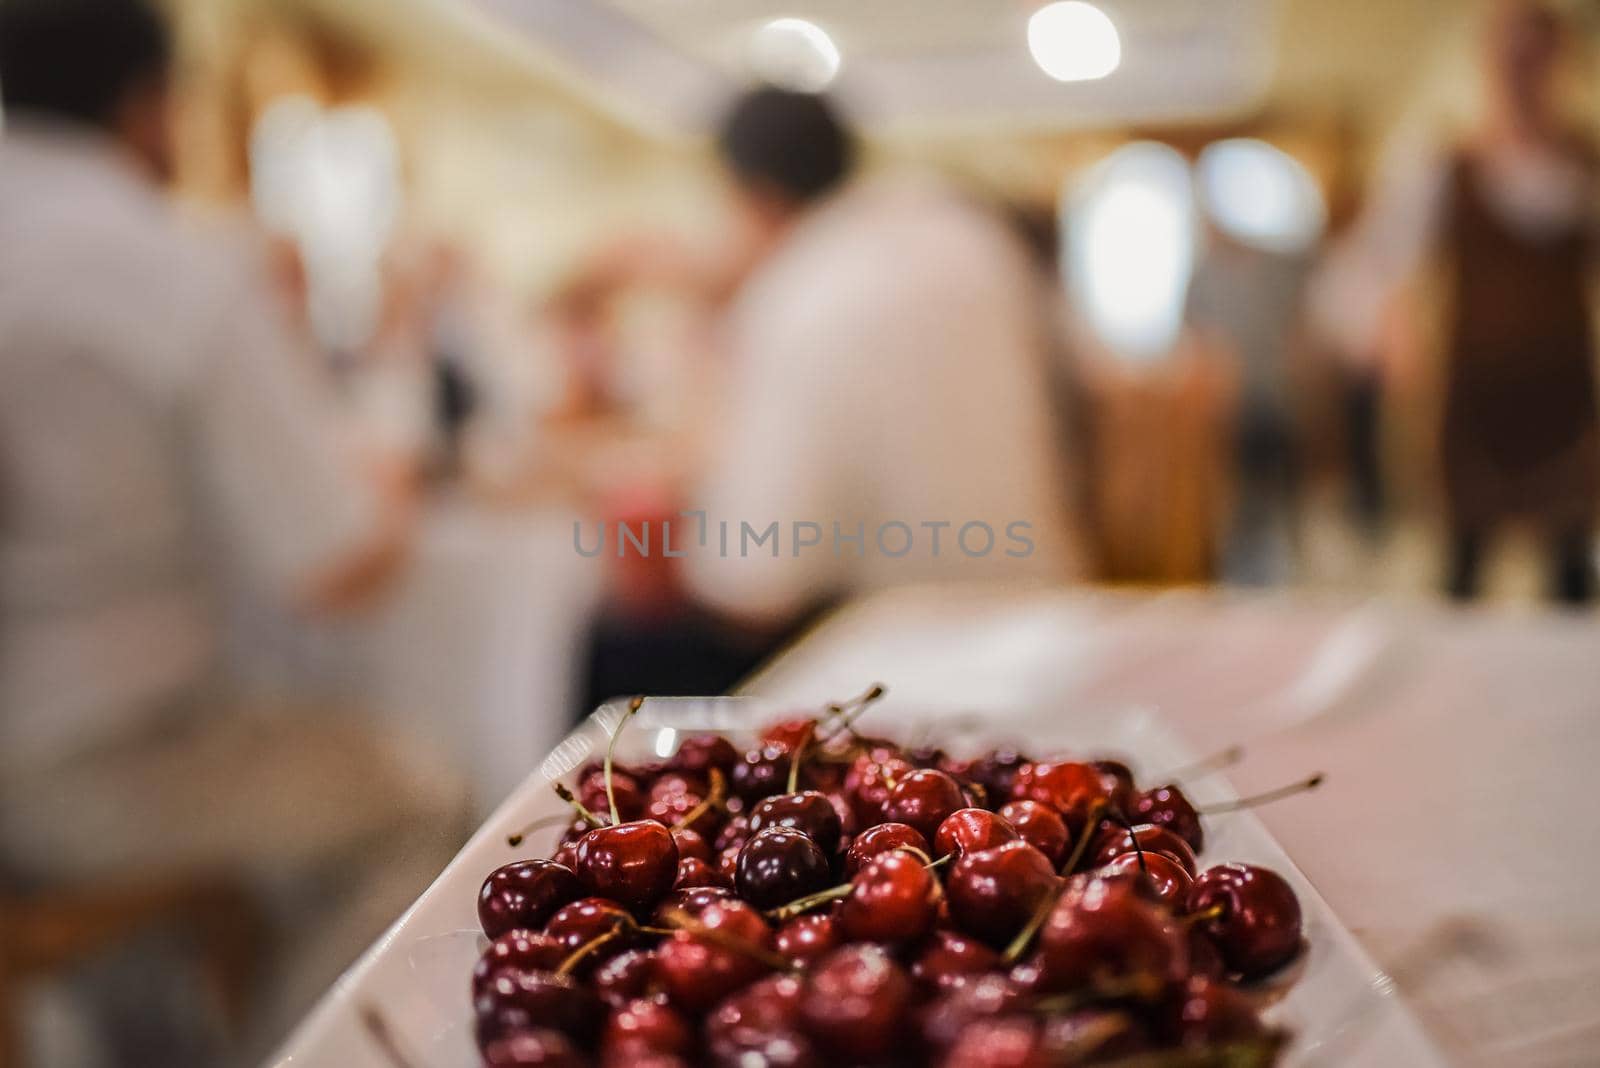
{"x":1265,"y":293}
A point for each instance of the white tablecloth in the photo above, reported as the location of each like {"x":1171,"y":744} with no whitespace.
{"x":1460,"y":748}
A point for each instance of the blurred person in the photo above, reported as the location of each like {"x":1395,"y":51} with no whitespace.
{"x":158,"y":428}
{"x":1510,"y":212}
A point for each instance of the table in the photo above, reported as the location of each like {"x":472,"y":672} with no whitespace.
{"x":1456,"y":833}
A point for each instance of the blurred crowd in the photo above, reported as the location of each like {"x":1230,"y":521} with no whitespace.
{"x":1196,"y":367}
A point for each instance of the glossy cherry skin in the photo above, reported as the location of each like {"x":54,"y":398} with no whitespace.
{"x":735,"y":832}
{"x":1166,"y":806}
{"x":762,"y":772}
{"x":691,"y":844}
{"x":1103,"y":935}
{"x":999,"y":1042}
{"x":1152,"y":839}
{"x":578,"y":924}
{"x":809,"y":812}
{"x":944,"y":1019}
{"x":1073,"y":789}
{"x":1093,"y":1036}
{"x":854,"y":1002}
{"x":643,"y":1026}
{"x":761,"y":1025}
{"x":1123,"y":791}
{"x":693,"y":872}
{"x":779,"y":865}
{"x":968,"y":830}
{"x":791,"y":732}
{"x":1259,"y":928}
{"x":924,"y":799}
{"x":525,"y":894}
{"x":697,"y":970}
{"x":624,"y":977}
{"x":1159,"y":877}
{"x":518,"y":949}
{"x":894,"y":900}
{"x":515,"y":1000}
{"x":994,"y":892}
{"x":879,"y":839}
{"x":632,"y":863}
{"x":674,"y":809}
{"x":995,"y":771}
{"x":701,"y":752}
{"x":949,"y":958}
{"x":807,"y":938}
{"x":866,"y":787}
{"x":1204,"y":1012}
{"x":691,"y":901}
{"x":1040,"y":826}
{"x":537,"y":1046}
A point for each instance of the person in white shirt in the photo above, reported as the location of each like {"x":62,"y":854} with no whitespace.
{"x":889,"y":406}
{"x":158,"y":427}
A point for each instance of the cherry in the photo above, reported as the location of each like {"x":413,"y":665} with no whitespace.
{"x":525,"y":894}
{"x":993,"y":893}
{"x":700,"y":752}
{"x":728,"y":863}
{"x":733,"y":833}
{"x":760,"y":1025}
{"x":807,"y":938}
{"x":998,"y":1042}
{"x":1073,"y":789}
{"x":537,"y":1046}
{"x":1040,"y":826}
{"x":924,"y":798}
{"x":624,"y":977}
{"x":690,"y":844}
{"x":631,"y":797}
{"x":879,"y":839}
{"x":1251,"y":913}
{"x":1166,"y":806}
{"x":996,"y":770}
{"x":1204,"y":956}
{"x":855,"y":1002}
{"x":726,"y":948}
{"x":518,"y":949}
{"x":1204,"y":1012}
{"x":791,"y":732}
{"x":1102,"y":935}
{"x":682,"y":809}
{"x":867,"y":785}
{"x":1093,"y":1036}
{"x":646,"y":1026}
{"x":761,"y":772}
{"x":779,"y":865}
{"x":1123,"y":789}
{"x":968,"y":830}
{"x":691,"y":901}
{"x":634,"y":863}
{"x":1162,"y":879}
{"x":578,"y":924}
{"x":692,"y":872}
{"x":894,"y":900}
{"x":944,"y":1019}
{"x":808,"y":812}
{"x":542,"y":999}
{"x":950,"y":958}
{"x":1152,"y":839}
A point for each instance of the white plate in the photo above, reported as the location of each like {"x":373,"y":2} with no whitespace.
{"x":1341,"y":1009}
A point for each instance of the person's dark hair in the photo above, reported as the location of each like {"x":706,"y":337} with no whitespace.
{"x":794,"y":144}
{"x":77,"y":59}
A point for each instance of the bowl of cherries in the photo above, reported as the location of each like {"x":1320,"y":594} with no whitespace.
{"x":826,"y":896}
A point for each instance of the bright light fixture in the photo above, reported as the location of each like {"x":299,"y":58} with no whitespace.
{"x":1073,"y":41}
{"x":1261,"y":195}
{"x":794,"y":54}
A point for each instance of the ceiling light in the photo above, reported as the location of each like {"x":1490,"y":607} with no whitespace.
{"x":1073,"y":41}
{"x":794,"y":54}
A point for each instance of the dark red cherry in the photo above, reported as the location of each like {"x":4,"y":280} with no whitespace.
{"x":894,"y":901}
{"x":867,"y":785}
{"x":984,"y":997}
{"x":995,"y":771}
{"x":631,"y":797}
{"x":1040,"y":826}
{"x":689,"y":809}
{"x":791,"y":732}
{"x":879,"y":839}
{"x":1258,"y":925}
{"x":578,"y":924}
{"x":1094,"y":1036}
{"x":807,"y":938}
{"x":1103,"y":935}
{"x":643,"y":1026}
{"x":518,"y":949}
{"x":525,"y":894}
{"x":1166,"y":806}
{"x":691,"y":901}
{"x":697,"y":969}
{"x":624,"y":977}
{"x":809,"y":812}
{"x":1161,"y":878}
{"x":692,"y":872}
{"x":760,"y":1025}
{"x":733,"y":833}
{"x":535,"y":1047}
{"x":1206,"y":1013}
{"x":949,"y":958}
{"x":1071,"y":788}
{"x":762,"y":772}
{"x":700,"y":753}
{"x":993,"y":893}
{"x":999,"y":1042}
{"x":968,"y":830}
{"x":544,"y":999}
{"x":855,"y":1003}
{"x":633,"y":863}
{"x":779,"y":865}
{"x":1124,"y":791}
{"x":923,"y":799}
{"x":691,"y":844}
{"x":1152,"y":839}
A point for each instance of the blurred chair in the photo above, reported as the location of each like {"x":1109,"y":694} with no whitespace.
{"x":46,"y":932}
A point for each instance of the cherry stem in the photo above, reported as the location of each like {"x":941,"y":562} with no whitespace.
{"x":1143,"y":987}
{"x":840,"y":717}
{"x":611,"y":797}
{"x":810,"y":901}
{"x":1133,"y":836}
{"x":799,"y":755}
{"x":1041,"y":912}
{"x":582,"y":952}
{"x":1095,"y":812}
{"x":1266,"y":798}
{"x":517,"y":837}
{"x":377,"y":1026}
{"x":577,"y":806}
{"x":1223,"y":758}
{"x":682,"y":921}
{"x":1214,"y":912}
{"x":713,"y":799}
